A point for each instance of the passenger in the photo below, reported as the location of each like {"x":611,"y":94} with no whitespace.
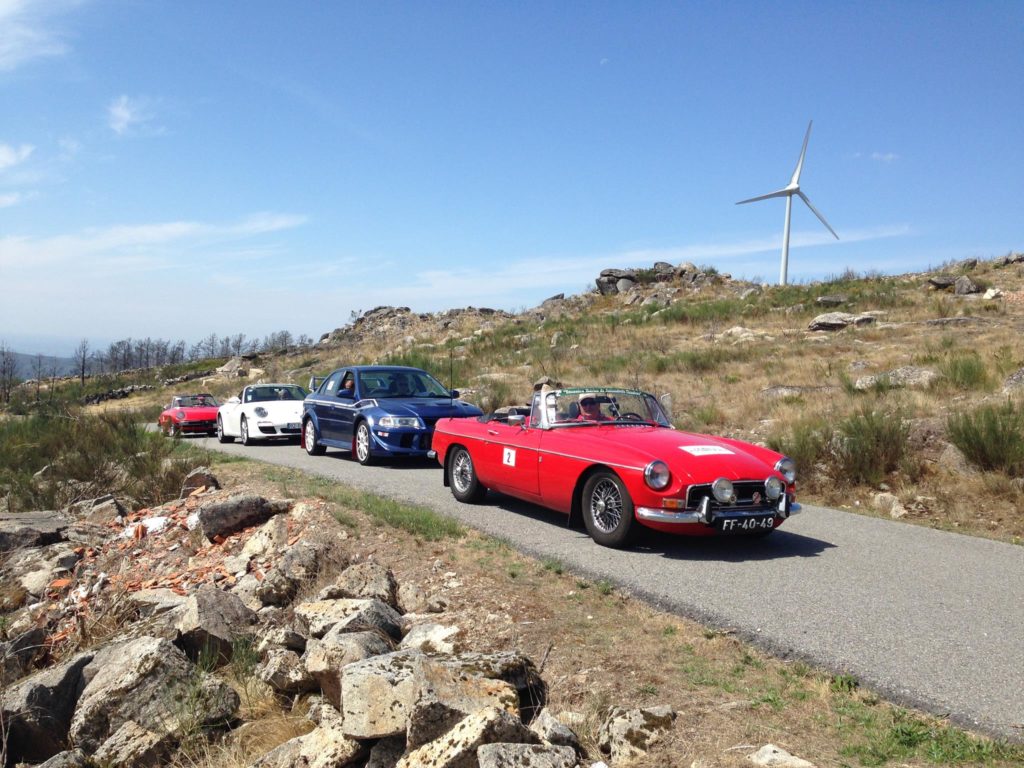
{"x":590,"y":409}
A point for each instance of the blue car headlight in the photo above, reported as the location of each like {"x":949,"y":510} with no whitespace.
{"x":393,"y":422}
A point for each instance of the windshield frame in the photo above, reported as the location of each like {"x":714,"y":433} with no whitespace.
{"x":549,"y":408}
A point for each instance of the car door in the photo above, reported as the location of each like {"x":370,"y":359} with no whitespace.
{"x":325,"y":406}
{"x":345,"y":406}
{"x":511,"y":459}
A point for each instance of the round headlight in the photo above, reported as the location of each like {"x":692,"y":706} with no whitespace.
{"x":657,"y":475}
{"x":773,"y":488}
{"x":788,"y":469}
{"x":261,"y":412}
{"x":180,"y":415}
{"x":723,"y":490}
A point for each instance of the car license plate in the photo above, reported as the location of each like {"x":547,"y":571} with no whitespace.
{"x":741,"y":525}
{"x":292,"y":425}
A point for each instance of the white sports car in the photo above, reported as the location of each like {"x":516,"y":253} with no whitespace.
{"x":261,"y":412}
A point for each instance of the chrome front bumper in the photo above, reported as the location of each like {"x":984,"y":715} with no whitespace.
{"x":707,"y":516}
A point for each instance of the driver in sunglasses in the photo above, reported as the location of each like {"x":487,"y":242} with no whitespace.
{"x":590,"y":409}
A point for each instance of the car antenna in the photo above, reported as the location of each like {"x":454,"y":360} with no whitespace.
{"x":451,"y":378}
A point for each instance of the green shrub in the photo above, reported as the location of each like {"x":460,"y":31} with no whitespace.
{"x":966,"y":371}
{"x":871,"y":444}
{"x":80,"y":457}
{"x":806,"y":443}
{"x":991,"y":437}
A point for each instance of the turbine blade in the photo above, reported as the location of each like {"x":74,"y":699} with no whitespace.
{"x":776,"y":193}
{"x":795,"y":180}
{"x":816,"y":213}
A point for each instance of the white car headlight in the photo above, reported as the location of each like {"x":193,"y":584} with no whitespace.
{"x":788,"y":469}
{"x":723,"y":490}
{"x":657,"y":475}
{"x":180,"y":415}
{"x":393,"y":422}
{"x":260,"y":411}
{"x":773,"y":488}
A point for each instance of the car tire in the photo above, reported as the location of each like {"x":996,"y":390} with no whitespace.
{"x":462,"y":477}
{"x":221,"y":437}
{"x":173,"y":430}
{"x":361,"y":444}
{"x":309,"y":439}
{"x":608,"y":510}
{"x":243,"y":427}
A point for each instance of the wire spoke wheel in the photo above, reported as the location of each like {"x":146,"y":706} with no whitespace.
{"x":462,"y":477}
{"x":607,"y":509}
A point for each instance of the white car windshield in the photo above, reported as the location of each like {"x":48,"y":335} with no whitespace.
{"x":588,"y":407}
{"x":268,"y":392}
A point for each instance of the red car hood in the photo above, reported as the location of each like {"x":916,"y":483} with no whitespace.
{"x":698,"y":458}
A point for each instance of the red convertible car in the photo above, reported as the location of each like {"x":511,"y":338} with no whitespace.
{"x":189,"y":415}
{"x":613,"y":457}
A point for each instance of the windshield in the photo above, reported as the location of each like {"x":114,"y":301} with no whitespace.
{"x":403,"y":383}
{"x":588,"y":407}
{"x":270,"y":392}
{"x":194,"y":401}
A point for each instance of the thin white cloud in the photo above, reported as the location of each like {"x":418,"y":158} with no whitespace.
{"x":6,"y":201}
{"x":885,"y":157}
{"x":27,"y":31}
{"x":11,"y":156}
{"x":127,"y":115}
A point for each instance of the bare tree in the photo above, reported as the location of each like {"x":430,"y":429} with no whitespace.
{"x":38,"y":369}
{"x":81,"y":357}
{"x":8,"y":371}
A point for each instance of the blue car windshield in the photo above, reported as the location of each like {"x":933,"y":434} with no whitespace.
{"x":405,"y":383}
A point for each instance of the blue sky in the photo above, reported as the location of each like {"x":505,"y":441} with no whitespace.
{"x":176,"y":168}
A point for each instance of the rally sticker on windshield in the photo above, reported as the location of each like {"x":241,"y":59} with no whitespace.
{"x":508,"y":457}
{"x":705,"y":450}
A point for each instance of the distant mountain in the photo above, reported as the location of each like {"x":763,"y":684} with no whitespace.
{"x":27,"y":365}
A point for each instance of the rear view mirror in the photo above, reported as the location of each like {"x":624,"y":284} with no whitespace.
{"x":233,"y":401}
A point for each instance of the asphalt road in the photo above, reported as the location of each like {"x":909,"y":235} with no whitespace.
{"x":928,"y":619}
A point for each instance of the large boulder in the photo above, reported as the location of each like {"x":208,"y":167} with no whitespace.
{"x":327,"y":657}
{"x":319,"y":616}
{"x":525,"y":756}
{"x":444,"y":697}
{"x":152,"y":683}
{"x":458,"y":748}
{"x":627,"y":734}
{"x":378,"y":693}
{"x":219,"y":519}
{"x":211,"y":621}
{"x":31,"y":529}
{"x":368,"y":581}
{"x":37,"y":711}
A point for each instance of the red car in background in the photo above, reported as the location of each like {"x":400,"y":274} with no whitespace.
{"x":189,"y":415}
{"x":612,"y":457}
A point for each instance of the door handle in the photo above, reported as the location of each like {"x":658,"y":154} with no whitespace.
{"x":492,"y":431}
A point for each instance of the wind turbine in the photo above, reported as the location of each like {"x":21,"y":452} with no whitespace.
{"x":793,"y":188}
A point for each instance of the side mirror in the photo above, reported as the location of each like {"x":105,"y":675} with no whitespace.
{"x":516,"y":420}
{"x":455,"y":394}
{"x":233,"y":401}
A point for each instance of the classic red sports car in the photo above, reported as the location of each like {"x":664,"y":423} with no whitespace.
{"x":613,"y":457}
{"x":188,"y":415}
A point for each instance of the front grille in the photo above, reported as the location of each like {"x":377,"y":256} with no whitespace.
{"x":749,"y":495}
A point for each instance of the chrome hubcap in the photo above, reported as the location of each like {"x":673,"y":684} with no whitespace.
{"x":362,"y":443}
{"x":310,"y":436}
{"x":606,"y":506}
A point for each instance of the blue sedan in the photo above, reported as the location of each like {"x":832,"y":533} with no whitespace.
{"x":378,"y":410}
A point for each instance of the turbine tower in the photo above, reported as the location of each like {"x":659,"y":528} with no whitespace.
{"x":793,"y":188}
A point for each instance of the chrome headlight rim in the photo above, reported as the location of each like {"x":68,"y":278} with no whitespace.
{"x":180,"y":415}
{"x":774,"y":488}
{"x":787,"y":468}
{"x":723,"y":491}
{"x":657,"y":475}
